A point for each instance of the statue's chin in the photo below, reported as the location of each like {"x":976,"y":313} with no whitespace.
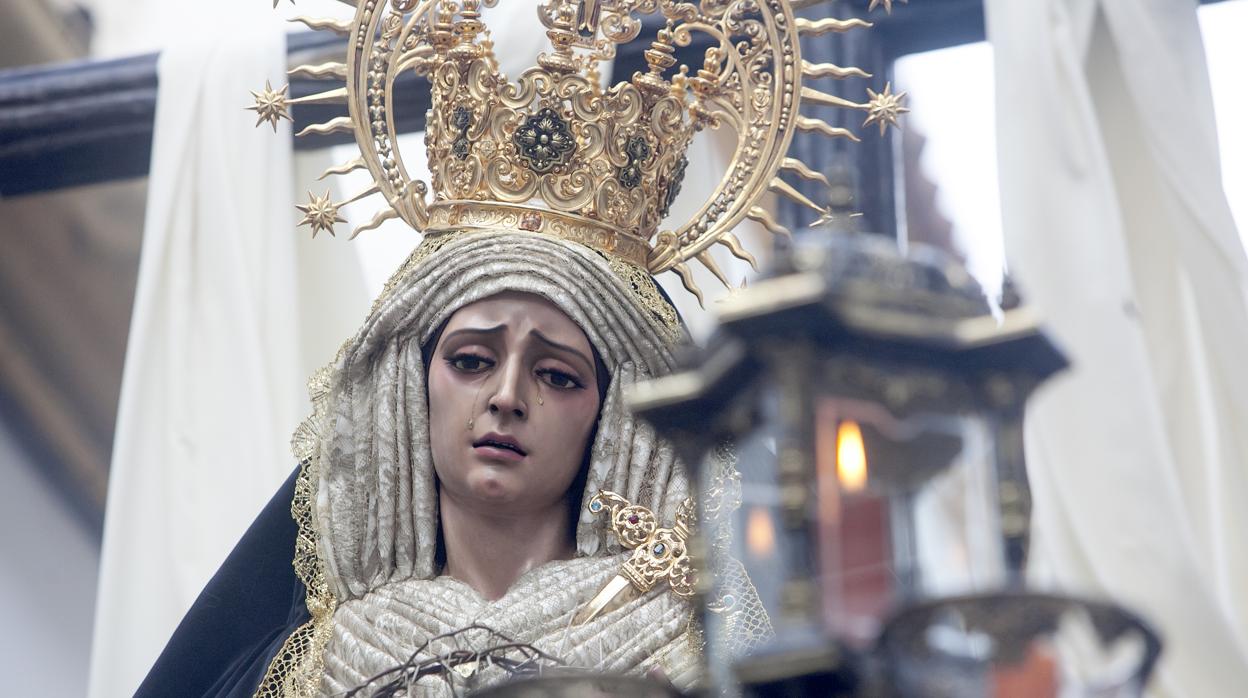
{"x":495,"y":482}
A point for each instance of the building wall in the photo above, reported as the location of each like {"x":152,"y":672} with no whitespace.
{"x":48,"y":567}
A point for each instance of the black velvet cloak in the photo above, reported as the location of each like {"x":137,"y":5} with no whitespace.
{"x":224,"y":644}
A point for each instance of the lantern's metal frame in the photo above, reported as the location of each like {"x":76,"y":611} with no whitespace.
{"x":914,"y":332}
{"x":1012,"y":618}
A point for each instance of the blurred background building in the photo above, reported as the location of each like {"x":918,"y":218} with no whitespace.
{"x":67,"y":279}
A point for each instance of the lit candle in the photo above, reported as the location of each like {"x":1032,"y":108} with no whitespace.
{"x":853,"y":530}
{"x":760,"y":533}
{"x":869,"y":466}
{"x":851,"y":457}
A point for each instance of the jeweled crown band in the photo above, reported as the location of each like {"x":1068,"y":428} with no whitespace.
{"x":448,"y":216}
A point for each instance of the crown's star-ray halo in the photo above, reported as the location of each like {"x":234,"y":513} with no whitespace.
{"x":320,"y":213}
{"x":271,"y":105}
{"x":754,"y":173}
{"x":884,"y":108}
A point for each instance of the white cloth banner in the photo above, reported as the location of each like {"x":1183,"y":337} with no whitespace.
{"x":234,"y":308}
{"x":1118,"y":229}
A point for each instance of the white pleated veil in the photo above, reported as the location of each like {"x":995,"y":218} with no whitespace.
{"x":376,"y":514}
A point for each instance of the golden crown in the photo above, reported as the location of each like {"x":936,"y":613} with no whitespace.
{"x":555,"y":152}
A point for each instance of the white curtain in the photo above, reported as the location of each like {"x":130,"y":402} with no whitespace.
{"x":1118,"y":229}
{"x":234,"y":308}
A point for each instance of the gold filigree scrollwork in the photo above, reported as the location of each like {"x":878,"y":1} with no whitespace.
{"x":544,"y":141}
{"x":556,"y":137}
{"x":658,"y":553}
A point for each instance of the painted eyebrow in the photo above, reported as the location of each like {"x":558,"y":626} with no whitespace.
{"x":474,"y":331}
{"x":563,"y":347}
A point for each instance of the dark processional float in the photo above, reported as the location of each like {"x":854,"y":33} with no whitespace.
{"x":854,"y":517}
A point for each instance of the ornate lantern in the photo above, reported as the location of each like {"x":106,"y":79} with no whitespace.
{"x":875,"y":408}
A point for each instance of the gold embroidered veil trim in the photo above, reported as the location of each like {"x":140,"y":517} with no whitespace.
{"x":296,"y":669}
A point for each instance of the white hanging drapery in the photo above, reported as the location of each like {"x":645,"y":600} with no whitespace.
{"x":1118,"y":230}
{"x":234,"y":308}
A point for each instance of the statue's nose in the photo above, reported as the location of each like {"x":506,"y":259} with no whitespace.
{"x":507,"y":397}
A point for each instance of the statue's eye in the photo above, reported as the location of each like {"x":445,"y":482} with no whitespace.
{"x":560,"y":379}
{"x":469,"y":363}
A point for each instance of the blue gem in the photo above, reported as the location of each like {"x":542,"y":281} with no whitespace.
{"x":595,"y":506}
{"x":658,"y":549}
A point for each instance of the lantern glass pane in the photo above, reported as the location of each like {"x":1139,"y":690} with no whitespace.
{"x":746,"y":548}
{"x":901,"y":506}
{"x":906,"y":510}
{"x":740,"y":524}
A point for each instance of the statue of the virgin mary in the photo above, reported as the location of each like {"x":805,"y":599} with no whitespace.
{"x":471,"y":476}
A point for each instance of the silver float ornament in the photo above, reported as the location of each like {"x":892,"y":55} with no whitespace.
{"x":875,"y":407}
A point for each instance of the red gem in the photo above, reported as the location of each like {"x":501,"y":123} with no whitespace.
{"x":633,"y":519}
{"x":531,"y":221}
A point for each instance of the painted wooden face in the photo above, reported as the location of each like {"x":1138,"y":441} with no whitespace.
{"x":513,"y":398}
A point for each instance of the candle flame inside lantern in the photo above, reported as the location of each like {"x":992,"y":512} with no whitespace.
{"x":851,"y":457}
{"x":760,"y":532}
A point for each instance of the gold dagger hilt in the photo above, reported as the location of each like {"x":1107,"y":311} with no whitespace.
{"x":658,"y":553}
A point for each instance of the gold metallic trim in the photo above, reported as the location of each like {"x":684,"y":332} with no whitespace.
{"x":659,"y":554}
{"x":447,"y":216}
{"x":296,"y":670}
{"x":610,"y":158}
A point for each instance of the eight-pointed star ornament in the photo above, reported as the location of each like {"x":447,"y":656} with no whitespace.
{"x":320,"y":213}
{"x":272,"y":105}
{"x":884,"y":107}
